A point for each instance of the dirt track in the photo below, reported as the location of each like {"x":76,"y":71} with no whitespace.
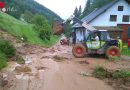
{"x":54,"y":68}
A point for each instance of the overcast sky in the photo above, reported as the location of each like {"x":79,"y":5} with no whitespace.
{"x":64,"y":8}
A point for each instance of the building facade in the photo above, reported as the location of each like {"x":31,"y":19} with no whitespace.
{"x":114,"y":17}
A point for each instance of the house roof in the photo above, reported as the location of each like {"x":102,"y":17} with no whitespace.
{"x":96,"y":13}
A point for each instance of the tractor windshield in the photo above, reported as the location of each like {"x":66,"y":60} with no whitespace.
{"x":105,"y":36}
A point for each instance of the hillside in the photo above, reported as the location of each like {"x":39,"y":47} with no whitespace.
{"x":31,"y":7}
{"x":21,"y":29}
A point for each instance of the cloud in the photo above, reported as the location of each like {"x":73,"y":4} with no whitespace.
{"x":63,"y":8}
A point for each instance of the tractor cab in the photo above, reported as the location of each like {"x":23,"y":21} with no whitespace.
{"x":97,"y":39}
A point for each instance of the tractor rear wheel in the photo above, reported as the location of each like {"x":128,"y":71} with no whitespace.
{"x":79,"y":50}
{"x":113,"y":51}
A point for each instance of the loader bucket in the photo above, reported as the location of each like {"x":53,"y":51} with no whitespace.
{"x":57,"y":28}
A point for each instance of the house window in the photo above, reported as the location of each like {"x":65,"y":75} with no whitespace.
{"x":113,"y":18}
{"x":126,"y":18}
{"x":120,"y":8}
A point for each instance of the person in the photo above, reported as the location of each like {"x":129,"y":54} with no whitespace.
{"x":129,"y":43}
{"x":96,"y":42}
{"x":119,"y":43}
{"x":96,"y":37}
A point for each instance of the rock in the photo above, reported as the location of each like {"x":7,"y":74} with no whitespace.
{"x":3,"y":82}
{"x":1,"y":75}
{"x":19,"y":76}
{"x":84,"y":74}
{"x":40,"y":68}
{"x":22,"y":69}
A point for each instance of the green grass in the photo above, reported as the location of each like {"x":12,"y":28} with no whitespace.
{"x":125,"y":50}
{"x":3,"y":61}
{"x":20,"y":29}
{"x":121,"y":74}
{"x":102,"y":73}
{"x":99,"y":72}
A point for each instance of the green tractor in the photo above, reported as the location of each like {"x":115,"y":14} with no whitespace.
{"x":102,"y":45}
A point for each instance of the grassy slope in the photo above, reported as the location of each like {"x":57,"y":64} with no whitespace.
{"x":19,"y":29}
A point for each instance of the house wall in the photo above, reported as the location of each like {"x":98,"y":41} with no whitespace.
{"x":104,"y":18}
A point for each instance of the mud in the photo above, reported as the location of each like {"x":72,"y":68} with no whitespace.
{"x":52,"y":68}
{"x":56,"y":68}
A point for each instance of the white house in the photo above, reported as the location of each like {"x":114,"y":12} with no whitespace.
{"x":111,"y":16}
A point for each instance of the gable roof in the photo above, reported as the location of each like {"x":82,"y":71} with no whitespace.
{"x":97,"y":12}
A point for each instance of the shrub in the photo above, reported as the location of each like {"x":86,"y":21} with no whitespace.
{"x":45,"y":35}
{"x":42,"y":27}
{"x":100,"y":72}
{"x":20,"y":60}
{"x":121,"y":74}
{"x":3,"y":61}
{"x":7,"y":48}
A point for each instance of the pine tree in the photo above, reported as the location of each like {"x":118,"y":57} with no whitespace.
{"x":91,"y":5}
{"x":76,"y":12}
{"x":87,"y":8}
{"x":99,"y":3}
{"x":79,"y":11}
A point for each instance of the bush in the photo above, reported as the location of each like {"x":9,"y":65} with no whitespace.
{"x":3,"y":61}
{"x":20,"y":60}
{"x":100,"y":72}
{"x":42,"y":27}
{"x":45,"y":35}
{"x":121,"y":74}
{"x":7,"y":48}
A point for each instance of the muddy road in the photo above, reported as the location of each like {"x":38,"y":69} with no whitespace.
{"x":55,"y":68}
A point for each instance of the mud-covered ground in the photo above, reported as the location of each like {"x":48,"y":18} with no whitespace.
{"x":56,"y":68}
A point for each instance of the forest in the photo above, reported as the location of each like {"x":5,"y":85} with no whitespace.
{"x":28,"y":8}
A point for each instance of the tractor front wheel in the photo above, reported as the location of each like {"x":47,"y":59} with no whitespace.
{"x":79,"y":50}
{"x":113,"y":51}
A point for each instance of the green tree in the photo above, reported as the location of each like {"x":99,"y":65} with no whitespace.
{"x":79,"y":11}
{"x":76,"y":12}
{"x":21,"y":6}
{"x":42,"y":27}
{"x":87,"y":8}
{"x":68,"y":29}
{"x":99,"y":3}
{"x":27,"y":16}
{"x":91,"y":5}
